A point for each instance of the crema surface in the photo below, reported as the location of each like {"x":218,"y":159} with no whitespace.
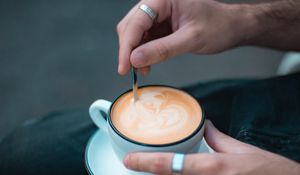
{"x":161,"y":115}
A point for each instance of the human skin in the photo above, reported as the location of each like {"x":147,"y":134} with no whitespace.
{"x":204,"y":27}
{"x":208,"y":27}
{"x":232,"y":157}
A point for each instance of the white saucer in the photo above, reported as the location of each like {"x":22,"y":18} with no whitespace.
{"x":100,"y":158}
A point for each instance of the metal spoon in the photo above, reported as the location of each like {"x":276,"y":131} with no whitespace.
{"x":135,"y":84}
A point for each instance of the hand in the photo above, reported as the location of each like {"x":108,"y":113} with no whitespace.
{"x":196,"y":26}
{"x":231,"y":157}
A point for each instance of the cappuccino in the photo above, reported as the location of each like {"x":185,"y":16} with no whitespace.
{"x":161,"y":115}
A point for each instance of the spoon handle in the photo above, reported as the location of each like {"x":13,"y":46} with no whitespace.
{"x":135,"y":84}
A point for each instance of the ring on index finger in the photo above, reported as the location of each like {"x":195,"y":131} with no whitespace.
{"x":177,"y":163}
{"x":151,"y":13}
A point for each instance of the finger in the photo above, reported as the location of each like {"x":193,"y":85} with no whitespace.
{"x":123,"y":23}
{"x":137,"y":25}
{"x":202,"y":163}
{"x":224,"y":143}
{"x":160,"y":49}
{"x":161,"y":163}
{"x":157,"y":163}
{"x":124,"y":65}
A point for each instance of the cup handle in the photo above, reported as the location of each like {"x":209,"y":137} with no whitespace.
{"x":96,"y":113}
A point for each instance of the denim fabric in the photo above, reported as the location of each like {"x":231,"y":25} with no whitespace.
{"x":265,"y":113}
{"x":52,"y":145}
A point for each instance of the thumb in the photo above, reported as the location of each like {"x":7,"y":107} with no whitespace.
{"x":221,"y":142}
{"x":158,"y":50}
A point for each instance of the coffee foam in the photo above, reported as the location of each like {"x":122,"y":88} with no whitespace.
{"x":161,"y":115}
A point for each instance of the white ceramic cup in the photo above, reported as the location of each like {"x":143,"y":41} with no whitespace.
{"x":123,"y":145}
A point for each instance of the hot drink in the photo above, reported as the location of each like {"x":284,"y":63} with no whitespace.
{"x":161,"y":115}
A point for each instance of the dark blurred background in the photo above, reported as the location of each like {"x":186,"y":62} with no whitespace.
{"x":57,"y":55}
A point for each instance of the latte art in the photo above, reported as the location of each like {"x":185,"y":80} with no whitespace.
{"x":150,"y":114}
{"x":161,"y":115}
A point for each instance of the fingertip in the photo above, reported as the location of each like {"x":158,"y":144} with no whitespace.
{"x":210,"y":123}
{"x":126,"y":161}
{"x":122,"y":69}
{"x":209,"y":128}
{"x":138,"y":59}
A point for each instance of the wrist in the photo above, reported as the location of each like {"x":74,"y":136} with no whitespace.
{"x":247,"y":24}
{"x":260,"y":21}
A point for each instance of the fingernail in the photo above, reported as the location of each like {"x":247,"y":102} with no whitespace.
{"x":126,"y":160}
{"x":138,"y":59}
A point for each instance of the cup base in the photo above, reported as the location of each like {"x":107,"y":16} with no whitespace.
{"x":101,"y":159}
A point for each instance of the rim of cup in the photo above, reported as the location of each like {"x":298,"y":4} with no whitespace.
{"x":201,"y":125}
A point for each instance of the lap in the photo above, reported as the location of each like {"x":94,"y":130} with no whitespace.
{"x":54,"y":144}
{"x":264,"y":113}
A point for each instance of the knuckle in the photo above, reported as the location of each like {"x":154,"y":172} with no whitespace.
{"x":212,"y":163}
{"x":159,"y":164}
{"x":194,"y":165}
{"x":139,"y":25}
{"x":197,"y":37}
{"x":138,"y":163}
{"x":162,"y":50}
{"x":196,"y":33}
{"x":134,"y":161}
{"x":119,"y":27}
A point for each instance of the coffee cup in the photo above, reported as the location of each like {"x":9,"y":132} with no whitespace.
{"x":163,"y":119}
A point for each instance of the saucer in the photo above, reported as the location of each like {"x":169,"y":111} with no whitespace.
{"x":100,"y":158}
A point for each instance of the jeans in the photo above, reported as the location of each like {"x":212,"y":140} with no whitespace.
{"x":264,"y":113}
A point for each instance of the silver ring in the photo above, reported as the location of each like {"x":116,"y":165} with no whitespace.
{"x":177,"y":163}
{"x":148,"y":11}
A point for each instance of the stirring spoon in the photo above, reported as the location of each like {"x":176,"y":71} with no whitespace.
{"x":135,"y":84}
